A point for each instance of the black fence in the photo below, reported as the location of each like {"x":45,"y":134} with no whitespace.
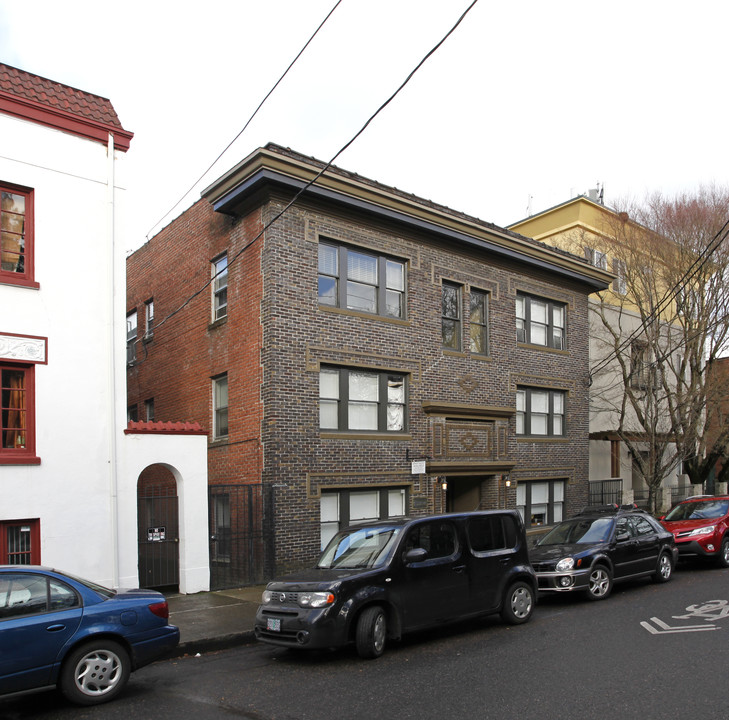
{"x":241,"y":536}
{"x":604,"y":492}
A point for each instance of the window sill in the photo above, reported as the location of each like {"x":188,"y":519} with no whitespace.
{"x":218,"y":323}
{"x":346,"y":435}
{"x":218,"y":442}
{"x":368,"y":316}
{"x":20,"y":460}
{"x":542,"y":438}
{"x":543,"y":348}
{"x":19,"y":282}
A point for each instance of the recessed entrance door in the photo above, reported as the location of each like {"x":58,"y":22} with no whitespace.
{"x":158,"y":523}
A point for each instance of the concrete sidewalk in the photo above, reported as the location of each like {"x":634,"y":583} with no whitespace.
{"x":214,"y":620}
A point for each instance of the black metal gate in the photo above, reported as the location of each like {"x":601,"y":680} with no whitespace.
{"x":241,"y":548}
{"x":605,"y":492}
{"x":159,"y":556}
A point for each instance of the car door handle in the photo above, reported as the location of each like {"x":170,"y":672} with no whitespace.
{"x":459,"y":568}
{"x":56,"y":628}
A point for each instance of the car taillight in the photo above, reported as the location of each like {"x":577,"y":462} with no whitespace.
{"x":160,"y":609}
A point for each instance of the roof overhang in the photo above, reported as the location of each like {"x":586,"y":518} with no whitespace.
{"x":65,"y":121}
{"x":267,"y":168}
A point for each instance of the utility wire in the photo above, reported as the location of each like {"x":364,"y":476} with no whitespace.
{"x":250,"y":119}
{"x":670,"y":294}
{"x":326,"y":166}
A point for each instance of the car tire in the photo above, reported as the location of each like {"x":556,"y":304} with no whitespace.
{"x":95,"y":672}
{"x":723,"y":559}
{"x":371,"y":633}
{"x":518,"y":603}
{"x":600,"y":583}
{"x":664,"y":570}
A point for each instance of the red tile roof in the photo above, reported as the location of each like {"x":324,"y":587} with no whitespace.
{"x":165,"y":428}
{"x":51,"y":103}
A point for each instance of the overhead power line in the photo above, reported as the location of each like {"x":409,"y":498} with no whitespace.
{"x":250,"y":119}
{"x":325,"y":167}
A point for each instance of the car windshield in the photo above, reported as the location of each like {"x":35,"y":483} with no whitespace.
{"x":581,"y":531}
{"x":699,"y":510}
{"x":360,"y":547}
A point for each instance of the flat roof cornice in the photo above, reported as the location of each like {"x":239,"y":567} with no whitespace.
{"x":286,"y":169}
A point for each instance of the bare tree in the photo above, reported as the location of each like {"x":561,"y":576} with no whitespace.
{"x":663,"y":323}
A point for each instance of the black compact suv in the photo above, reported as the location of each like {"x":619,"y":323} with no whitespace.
{"x":379,"y":580}
{"x":601,"y":546}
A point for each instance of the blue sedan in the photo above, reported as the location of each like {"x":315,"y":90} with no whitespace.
{"x":57,"y":629}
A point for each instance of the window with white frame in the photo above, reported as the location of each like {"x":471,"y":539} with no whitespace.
{"x":149,"y":410}
{"x":341,"y":508}
{"x":540,"y":502}
{"x":596,"y":258}
{"x":220,"y":287}
{"x":540,"y":411}
{"x":131,"y":336}
{"x":620,"y":284}
{"x":362,"y":400}
{"x":540,"y":321}
{"x":362,"y":281}
{"x":451,"y":315}
{"x":149,"y":319}
{"x":220,"y":407}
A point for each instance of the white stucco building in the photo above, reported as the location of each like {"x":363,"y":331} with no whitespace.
{"x":68,"y":469}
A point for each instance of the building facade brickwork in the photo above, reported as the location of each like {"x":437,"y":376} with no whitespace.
{"x":460,"y":408}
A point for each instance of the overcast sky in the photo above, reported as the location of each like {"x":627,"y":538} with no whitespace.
{"x":527,"y":104}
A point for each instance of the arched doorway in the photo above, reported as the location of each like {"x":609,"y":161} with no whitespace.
{"x":158,"y":528}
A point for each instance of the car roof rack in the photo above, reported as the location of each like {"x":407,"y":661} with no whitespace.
{"x":609,"y":508}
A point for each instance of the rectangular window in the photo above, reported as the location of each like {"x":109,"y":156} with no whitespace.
{"x":149,"y":410}
{"x":149,"y":319}
{"x":643,"y":374}
{"x":220,"y":287}
{"x":20,"y":542}
{"x":132,"y":413}
{"x":131,"y":337}
{"x":361,"y":281}
{"x":451,"y":316}
{"x":620,"y":284}
{"x":596,"y":258}
{"x":220,"y":407}
{"x":540,"y":322}
{"x":478,"y":322}
{"x":16,"y":235}
{"x":17,"y":410}
{"x":361,"y":400}
{"x":540,"y":412}
{"x":540,"y":502}
{"x":349,"y":507}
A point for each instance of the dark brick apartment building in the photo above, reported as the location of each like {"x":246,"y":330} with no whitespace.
{"x":359,"y":353}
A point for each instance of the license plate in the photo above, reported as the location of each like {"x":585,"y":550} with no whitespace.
{"x":273,"y":624}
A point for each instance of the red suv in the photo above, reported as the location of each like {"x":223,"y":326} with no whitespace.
{"x":701,"y":527}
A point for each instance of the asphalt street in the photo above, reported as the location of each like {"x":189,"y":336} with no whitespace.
{"x":649,"y":651}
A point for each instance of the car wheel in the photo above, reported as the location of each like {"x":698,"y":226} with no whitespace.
{"x":95,"y":672}
{"x":664,"y":570}
{"x":518,"y":604}
{"x":371,"y":633}
{"x":600,"y":583}
{"x":723,"y":558}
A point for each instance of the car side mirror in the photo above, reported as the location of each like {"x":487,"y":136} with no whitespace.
{"x":415,"y":555}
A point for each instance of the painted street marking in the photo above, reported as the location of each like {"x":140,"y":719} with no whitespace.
{"x":709,"y":611}
{"x":665,"y":629}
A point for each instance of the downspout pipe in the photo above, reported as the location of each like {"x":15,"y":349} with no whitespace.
{"x":112,"y":364}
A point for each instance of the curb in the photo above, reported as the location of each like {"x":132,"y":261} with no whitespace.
{"x":204,"y":645}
